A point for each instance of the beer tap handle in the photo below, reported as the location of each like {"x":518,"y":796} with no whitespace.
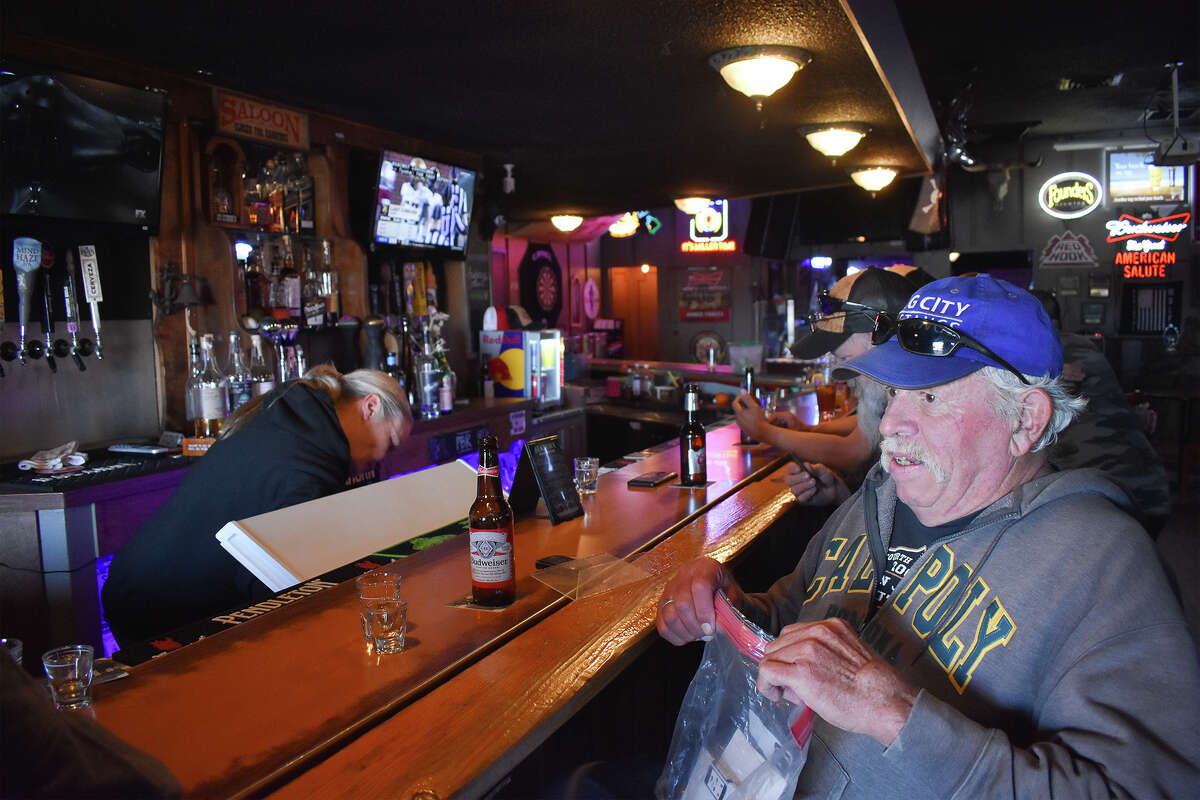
{"x":71,"y":309}
{"x":26,"y":258}
{"x":48,"y":319}
{"x":90,"y":271}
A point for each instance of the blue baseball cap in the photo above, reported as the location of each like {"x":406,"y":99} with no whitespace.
{"x":1006,"y":319}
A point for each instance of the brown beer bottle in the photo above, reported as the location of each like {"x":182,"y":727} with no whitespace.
{"x":493,"y":569}
{"x":693,"y":470}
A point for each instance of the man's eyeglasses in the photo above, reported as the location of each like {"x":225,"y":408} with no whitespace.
{"x":927,"y":337}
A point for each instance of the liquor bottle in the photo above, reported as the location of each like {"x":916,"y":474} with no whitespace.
{"x":407,"y":365}
{"x":329,"y":284}
{"x":311,"y":294}
{"x":262,"y":377}
{"x":446,"y":395}
{"x":210,"y":393}
{"x":258,"y":286}
{"x":748,"y":388}
{"x":240,"y":384}
{"x":290,"y":280}
{"x":693,"y":470}
{"x":490,"y":522}
{"x":189,"y":400}
{"x":429,"y":377}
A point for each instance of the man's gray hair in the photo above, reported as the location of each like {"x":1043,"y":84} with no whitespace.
{"x":1006,"y":401}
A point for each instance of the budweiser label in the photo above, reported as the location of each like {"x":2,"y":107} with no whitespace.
{"x":491,"y":556}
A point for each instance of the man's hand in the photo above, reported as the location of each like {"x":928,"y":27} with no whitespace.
{"x":750,"y":416}
{"x":685,"y":610}
{"x":823,"y":487}
{"x":786,"y":419}
{"x":826,"y":666}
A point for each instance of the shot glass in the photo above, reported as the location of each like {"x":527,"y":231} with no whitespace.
{"x":382,"y":611}
{"x":70,"y":672}
{"x":587,"y":473}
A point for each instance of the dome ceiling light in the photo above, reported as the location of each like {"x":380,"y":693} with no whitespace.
{"x":566,"y":222}
{"x":835,"y":139}
{"x":692,"y":205}
{"x":873,"y":178}
{"x":758,"y":71}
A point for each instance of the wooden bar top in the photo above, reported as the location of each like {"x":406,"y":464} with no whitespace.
{"x":235,"y":712}
{"x":468,"y":733}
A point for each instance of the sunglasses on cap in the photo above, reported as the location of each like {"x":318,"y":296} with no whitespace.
{"x":927,"y":337}
{"x":832,"y":305}
{"x":837,"y":308}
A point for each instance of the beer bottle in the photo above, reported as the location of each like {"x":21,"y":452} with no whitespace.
{"x":490,"y":521}
{"x":748,"y":387}
{"x":692,"y":468}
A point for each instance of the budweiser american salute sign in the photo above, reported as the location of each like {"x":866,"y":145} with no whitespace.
{"x":1142,"y":244}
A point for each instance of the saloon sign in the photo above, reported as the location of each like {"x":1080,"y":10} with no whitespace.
{"x":250,"y":119}
{"x":1070,"y":195}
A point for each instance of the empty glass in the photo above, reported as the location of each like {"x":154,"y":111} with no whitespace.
{"x":382,"y":611}
{"x":587,"y":474}
{"x":70,"y":672}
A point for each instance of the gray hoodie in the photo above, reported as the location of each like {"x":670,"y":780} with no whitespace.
{"x":1052,"y":658}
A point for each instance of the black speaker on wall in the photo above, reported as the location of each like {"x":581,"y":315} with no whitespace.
{"x":769,"y":229}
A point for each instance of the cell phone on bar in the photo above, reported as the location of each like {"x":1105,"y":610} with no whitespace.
{"x":651,"y":479}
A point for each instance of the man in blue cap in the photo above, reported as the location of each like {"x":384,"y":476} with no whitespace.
{"x":972,"y":622}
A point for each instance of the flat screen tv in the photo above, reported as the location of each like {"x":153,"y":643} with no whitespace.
{"x":422,"y":203}
{"x":1133,"y":179}
{"x":77,"y":148}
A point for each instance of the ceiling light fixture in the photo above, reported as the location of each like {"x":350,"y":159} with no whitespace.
{"x":566,"y":222}
{"x":626,"y":225}
{"x":692,"y":205}
{"x":835,"y":140}
{"x":758,"y":71}
{"x":645,"y":269}
{"x":873,"y":178}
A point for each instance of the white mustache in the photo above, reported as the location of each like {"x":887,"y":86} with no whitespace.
{"x":893,"y":446}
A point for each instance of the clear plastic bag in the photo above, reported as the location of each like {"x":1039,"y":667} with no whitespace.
{"x":731,"y":742}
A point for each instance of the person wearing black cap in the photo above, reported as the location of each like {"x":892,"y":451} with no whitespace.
{"x":972,"y":622}
{"x":839,"y":452}
{"x":1107,"y":435}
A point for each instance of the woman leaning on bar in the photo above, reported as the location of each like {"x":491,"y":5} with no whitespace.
{"x":298,"y":442}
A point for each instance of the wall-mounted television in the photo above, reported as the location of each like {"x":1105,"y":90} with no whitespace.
{"x":423,"y":203}
{"x":1133,"y":179}
{"x":78,"y":148}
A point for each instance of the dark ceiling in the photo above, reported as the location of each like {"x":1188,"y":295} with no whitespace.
{"x":610,"y":106}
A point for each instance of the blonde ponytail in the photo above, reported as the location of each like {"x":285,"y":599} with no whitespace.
{"x":324,"y":378}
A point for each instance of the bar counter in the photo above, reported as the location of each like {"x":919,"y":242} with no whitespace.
{"x":249,"y":709}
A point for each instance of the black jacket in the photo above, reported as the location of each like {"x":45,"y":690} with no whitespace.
{"x":174,"y":571}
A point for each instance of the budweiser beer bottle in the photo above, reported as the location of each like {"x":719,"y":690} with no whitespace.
{"x":493,"y":571}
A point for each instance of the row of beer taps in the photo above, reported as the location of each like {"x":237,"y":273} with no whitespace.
{"x":33,"y":262}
